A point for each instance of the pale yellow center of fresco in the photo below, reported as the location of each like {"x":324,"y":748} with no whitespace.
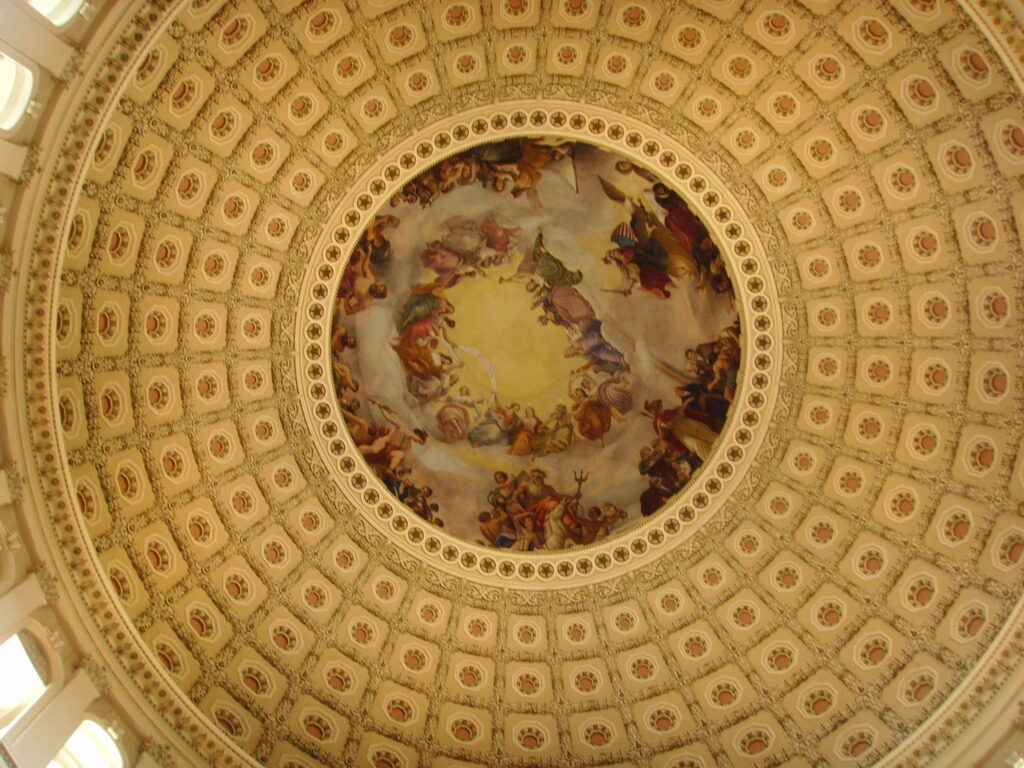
{"x":526,"y":357}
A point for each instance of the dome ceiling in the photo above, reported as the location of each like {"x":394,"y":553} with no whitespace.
{"x":262,"y":205}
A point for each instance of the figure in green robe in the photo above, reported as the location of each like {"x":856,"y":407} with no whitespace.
{"x":539,"y":262}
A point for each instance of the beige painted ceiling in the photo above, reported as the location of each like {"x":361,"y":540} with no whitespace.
{"x":846,"y":566}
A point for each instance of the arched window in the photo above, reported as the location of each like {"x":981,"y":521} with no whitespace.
{"x":15,"y":91}
{"x":24,"y":677}
{"x":90,"y":746}
{"x":58,"y":12}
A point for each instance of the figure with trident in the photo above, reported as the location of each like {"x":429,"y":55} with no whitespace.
{"x":562,"y":526}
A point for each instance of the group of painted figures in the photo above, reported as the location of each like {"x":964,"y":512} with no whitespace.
{"x":526,"y":511}
{"x":513,"y":166}
{"x":652,"y":252}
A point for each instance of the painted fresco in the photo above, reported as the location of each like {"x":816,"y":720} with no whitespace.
{"x":535,"y":344}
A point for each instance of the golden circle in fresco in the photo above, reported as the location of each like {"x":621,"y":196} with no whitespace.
{"x":535,"y":343}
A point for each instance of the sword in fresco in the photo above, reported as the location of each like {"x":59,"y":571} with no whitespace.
{"x":676,"y":373}
{"x":485,"y":363}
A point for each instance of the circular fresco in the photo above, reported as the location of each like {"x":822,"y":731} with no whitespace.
{"x":535,"y":344}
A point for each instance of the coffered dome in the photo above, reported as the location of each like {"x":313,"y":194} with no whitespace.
{"x":507,"y":382}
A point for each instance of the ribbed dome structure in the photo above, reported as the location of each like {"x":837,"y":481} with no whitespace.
{"x":244,"y":356}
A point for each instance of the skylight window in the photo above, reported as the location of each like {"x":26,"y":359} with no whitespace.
{"x":22,"y":683}
{"x":15,"y":91}
{"x":90,"y":746}
{"x":58,"y":12}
